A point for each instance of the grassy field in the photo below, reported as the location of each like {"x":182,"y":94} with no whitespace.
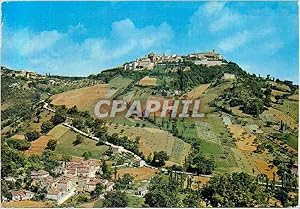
{"x":45,"y":116}
{"x":275,"y":115}
{"x":65,"y":145}
{"x":211,"y":93}
{"x":133,"y":202}
{"x":119,"y":82}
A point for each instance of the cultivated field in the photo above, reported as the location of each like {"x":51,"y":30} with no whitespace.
{"x":153,"y":139}
{"x":27,"y":204}
{"x":84,"y":98}
{"x":139,"y":174}
{"x":147,"y":81}
{"x":119,"y":82}
{"x":197,"y":92}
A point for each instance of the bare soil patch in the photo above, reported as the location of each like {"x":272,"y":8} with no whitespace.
{"x":142,"y":173}
{"x":147,"y":81}
{"x":27,"y":204}
{"x":198,"y":91}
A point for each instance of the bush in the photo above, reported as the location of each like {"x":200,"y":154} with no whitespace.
{"x":32,"y":135}
{"x":52,"y":144}
{"x":18,"y":144}
{"x":46,"y":126}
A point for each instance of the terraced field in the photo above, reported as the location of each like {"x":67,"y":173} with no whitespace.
{"x":153,"y":139}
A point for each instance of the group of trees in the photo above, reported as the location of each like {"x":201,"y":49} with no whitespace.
{"x":125,"y":182}
{"x":159,"y":159}
{"x":124,"y":142}
{"x":248,"y":94}
{"x":234,"y":190}
{"x":115,"y":199}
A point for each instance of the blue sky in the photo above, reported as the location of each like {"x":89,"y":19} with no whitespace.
{"x":80,"y":38}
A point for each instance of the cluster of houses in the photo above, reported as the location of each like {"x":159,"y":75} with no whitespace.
{"x":151,"y":60}
{"x":21,"y":73}
{"x":73,"y":177}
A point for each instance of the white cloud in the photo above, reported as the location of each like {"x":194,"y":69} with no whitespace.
{"x":28,"y":43}
{"x":223,"y":21}
{"x":231,"y":43}
{"x":62,"y":53}
{"x":213,"y":16}
{"x":211,"y":8}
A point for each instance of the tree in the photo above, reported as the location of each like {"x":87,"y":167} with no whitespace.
{"x":159,"y":158}
{"x":106,"y":170}
{"x":66,"y":157}
{"x":115,"y":199}
{"x":78,"y":123}
{"x":163,"y":193}
{"x":52,"y":144}
{"x":191,"y":200}
{"x":46,"y":126}
{"x":86,"y":155}
{"x":98,"y":191}
{"x":253,"y":107}
{"x":18,"y":144}
{"x":73,"y":110}
{"x":124,"y":182}
{"x":32,"y":135}
{"x":58,"y":118}
{"x":79,"y":140}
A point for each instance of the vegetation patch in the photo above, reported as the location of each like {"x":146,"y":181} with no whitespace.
{"x":66,"y":145}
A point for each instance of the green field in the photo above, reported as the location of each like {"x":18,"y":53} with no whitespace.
{"x":119,"y":82}
{"x":133,"y":202}
{"x":65,"y":145}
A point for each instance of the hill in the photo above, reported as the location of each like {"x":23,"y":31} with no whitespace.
{"x":250,"y":124}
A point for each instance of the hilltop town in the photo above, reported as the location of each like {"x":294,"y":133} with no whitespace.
{"x":152,"y":60}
